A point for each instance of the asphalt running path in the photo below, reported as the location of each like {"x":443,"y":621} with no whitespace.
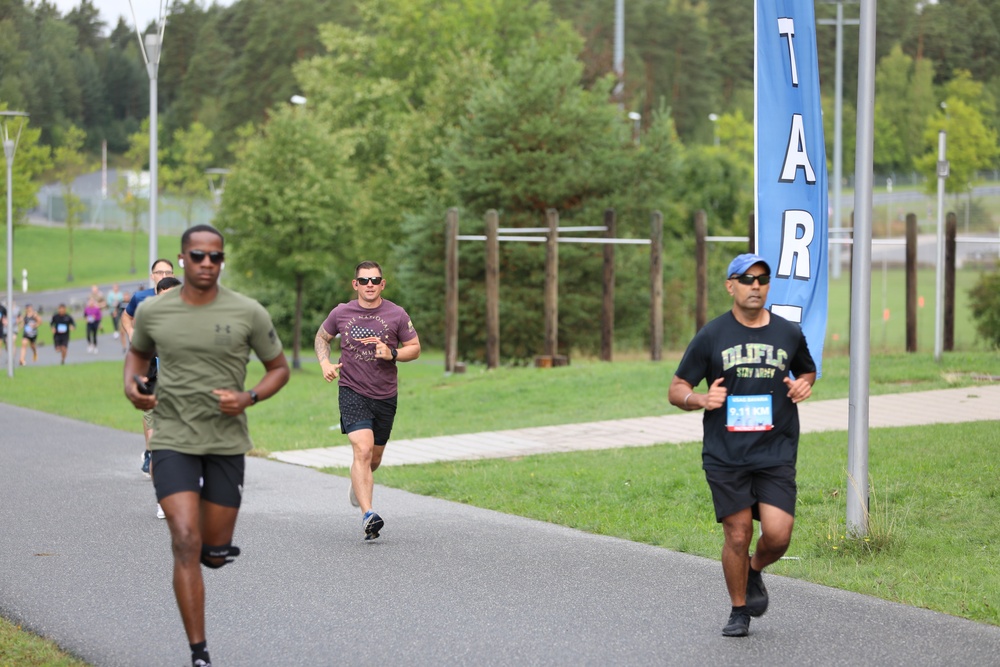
{"x":84,"y":562}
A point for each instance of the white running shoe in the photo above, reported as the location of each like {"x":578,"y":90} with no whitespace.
{"x":159,"y":512}
{"x":353,"y":498}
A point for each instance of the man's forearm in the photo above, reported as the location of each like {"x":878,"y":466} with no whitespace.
{"x":322,"y":346}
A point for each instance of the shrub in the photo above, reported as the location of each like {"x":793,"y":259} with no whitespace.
{"x":984,"y":299}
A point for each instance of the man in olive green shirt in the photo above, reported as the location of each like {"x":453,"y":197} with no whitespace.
{"x":203,"y":334}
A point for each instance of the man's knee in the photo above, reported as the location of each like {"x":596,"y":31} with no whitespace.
{"x":186,"y":544}
{"x":738,"y":532}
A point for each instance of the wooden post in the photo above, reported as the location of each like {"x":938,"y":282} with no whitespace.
{"x":700,"y":269}
{"x":656,"y":287}
{"x":552,"y":284}
{"x":492,"y":290}
{"x":451,"y":291}
{"x":752,"y":235}
{"x":911,"y":282}
{"x":950,"y":228}
{"x":608,"y":305}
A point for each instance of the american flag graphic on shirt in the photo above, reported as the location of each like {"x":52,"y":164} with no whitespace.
{"x":361,"y":331}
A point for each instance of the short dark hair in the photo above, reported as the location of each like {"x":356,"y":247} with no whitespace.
{"x":162,"y":259}
{"x":167,"y":283}
{"x":367,"y":264}
{"x":186,"y":236}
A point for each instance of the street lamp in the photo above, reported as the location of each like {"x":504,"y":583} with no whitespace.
{"x":715,"y":135}
{"x":298,"y":99}
{"x":636,"y":119}
{"x":150,"y":50}
{"x":9,"y":148}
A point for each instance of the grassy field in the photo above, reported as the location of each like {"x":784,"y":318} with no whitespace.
{"x":98,"y":257}
{"x":305,"y":414}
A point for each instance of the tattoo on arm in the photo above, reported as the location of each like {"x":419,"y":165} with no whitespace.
{"x":322,"y":345}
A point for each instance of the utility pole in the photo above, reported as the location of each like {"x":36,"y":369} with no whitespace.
{"x":838,"y":125}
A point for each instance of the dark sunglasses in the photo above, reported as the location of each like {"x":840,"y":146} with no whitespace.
{"x":198,"y":256}
{"x":748,"y":278}
{"x":377,"y":280}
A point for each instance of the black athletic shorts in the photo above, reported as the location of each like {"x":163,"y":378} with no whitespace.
{"x":217,"y":478}
{"x":58,"y":340}
{"x":359,"y":412}
{"x":736,"y":490}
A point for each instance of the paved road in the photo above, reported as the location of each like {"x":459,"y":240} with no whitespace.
{"x":84,"y":562}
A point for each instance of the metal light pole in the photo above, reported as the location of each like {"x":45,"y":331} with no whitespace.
{"x":859,"y":390}
{"x":942,"y":173}
{"x":714,"y":117}
{"x":9,"y":148}
{"x":150,"y":50}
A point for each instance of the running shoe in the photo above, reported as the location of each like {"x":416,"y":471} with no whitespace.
{"x":738,"y":626}
{"x":159,"y":512}
{"x":353,"y":498}
{"x":756,"y":594}
{"x":146,"y":456}
{"x":372,"y":524}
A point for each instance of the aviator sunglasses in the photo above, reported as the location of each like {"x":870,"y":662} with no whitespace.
{"x":748,"y":278}
{"x":377,"y":280}
{"x":215,"y":256}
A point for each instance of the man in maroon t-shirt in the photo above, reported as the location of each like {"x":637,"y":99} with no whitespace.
{"x":374,"y":334}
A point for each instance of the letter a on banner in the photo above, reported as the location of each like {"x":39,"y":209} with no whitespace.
{"x":790,"y":165}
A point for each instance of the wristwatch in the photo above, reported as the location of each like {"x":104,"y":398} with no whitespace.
{"x":253,"y":397}
{"x":395,"y":353}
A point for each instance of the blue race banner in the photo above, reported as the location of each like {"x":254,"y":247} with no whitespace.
{"x":790,"y":177}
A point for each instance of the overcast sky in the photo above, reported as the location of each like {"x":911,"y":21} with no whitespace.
{"x":145,"y":10}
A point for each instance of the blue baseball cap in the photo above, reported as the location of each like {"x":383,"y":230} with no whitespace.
{"x":743,"y":262}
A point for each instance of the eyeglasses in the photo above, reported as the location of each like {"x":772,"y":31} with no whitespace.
{"x":377,"y":280}
{"x":198,"y":256}
{"x":748,"y":278}
{"x":164,"y":273}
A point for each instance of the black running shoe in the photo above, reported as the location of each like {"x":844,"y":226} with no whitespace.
{"x":372,"y":524}
{"x":757,"y":599}
{"x":738,"y":626}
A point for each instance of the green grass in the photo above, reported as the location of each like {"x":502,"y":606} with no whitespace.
{"x":888,"y":336}
{"x":20,"y":647}
{"x":305,"y":413}
{"x":935,"y":492}
{"x":98,"y":257}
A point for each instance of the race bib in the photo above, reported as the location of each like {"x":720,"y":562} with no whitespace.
{"x":749,"y":413}
{"x":62,"y":328}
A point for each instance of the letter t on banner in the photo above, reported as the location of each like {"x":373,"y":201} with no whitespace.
{"x":790,"y":207}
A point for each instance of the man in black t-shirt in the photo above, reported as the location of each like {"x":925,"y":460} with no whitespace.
{"x":757,"y":367}
{"x":62,"y":324}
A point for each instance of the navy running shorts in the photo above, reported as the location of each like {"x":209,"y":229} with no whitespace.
{"x":359,"y":412}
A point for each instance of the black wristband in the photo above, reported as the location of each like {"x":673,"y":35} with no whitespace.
{"x":395,"y":353}
{"x":253,"y":397}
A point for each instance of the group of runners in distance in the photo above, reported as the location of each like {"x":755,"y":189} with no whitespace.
{"x":187,"y":350}
{"x":27,"y":324}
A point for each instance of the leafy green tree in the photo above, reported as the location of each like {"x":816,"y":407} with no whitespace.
{"x":984,"y":301}
{"x":904,"y":98}
{"x":288,"y":209}
{"x":972,"y":144}
{"x":68,"y":164}
{"x":184,"y":174}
